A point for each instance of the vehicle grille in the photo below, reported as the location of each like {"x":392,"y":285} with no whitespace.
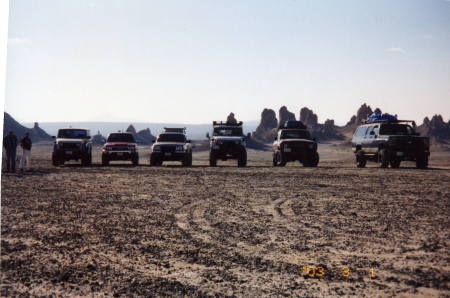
{"x":296,"y":145}
{"x":69,"y":145}
{"x":119,"y":148}
{"x":168,"y":149}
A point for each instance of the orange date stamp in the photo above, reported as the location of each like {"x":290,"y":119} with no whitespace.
{"x":345,"y":271}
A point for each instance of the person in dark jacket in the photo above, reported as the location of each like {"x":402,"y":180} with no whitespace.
{"x":25,"y":143}
{"x":10,"y":145}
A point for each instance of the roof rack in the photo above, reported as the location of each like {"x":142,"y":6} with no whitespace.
{"x":225,"y":123}
{"x":175,"y":129}
{"x":391,"y":121}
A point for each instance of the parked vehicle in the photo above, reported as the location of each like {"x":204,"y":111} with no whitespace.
{"x":294,"y":143}
{"x":171,"y":145}
{"x":72,"y":144}
{"x":227,"y":142}
{"x":389,"y":142}
{"x":120,"y":146}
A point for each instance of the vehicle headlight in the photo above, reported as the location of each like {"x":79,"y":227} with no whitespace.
{"x":156,"y":148}
{"x":179,"y":148}
{"x":108,"y":148}
{"x":132,"y":148}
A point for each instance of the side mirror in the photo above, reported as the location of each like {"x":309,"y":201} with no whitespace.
{"x":153,"y":141}
{"x":188,"y":141}
{"x":276,"y":139}
{"x":53,"y":137}
{"x":372,"y":133}
{"x":207,"y":136}
{"x":249,"y":135}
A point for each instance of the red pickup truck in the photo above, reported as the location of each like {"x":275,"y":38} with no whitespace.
{"x":120,"y":146}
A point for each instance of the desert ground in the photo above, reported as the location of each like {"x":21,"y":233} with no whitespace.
{"x":257,"y":231}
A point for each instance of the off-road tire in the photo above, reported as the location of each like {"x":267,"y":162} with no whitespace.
{"x":55,"y":160}
{"x":189,"y":164}
{"x":242,"y":159}
{"x":105,"y":161}
{"x":395,"y":164}
{"x":187,"y":161}
{"x":312,"y":161}
{"x":360,"y":159}
{"x":422,"y":161}
{"x":280,"y":161}
{"x":212,"y":160}
{"x":383,"y":158}
{"x":154,"y":162}
{"x":86,"y":160}
{"x":135,"y":160}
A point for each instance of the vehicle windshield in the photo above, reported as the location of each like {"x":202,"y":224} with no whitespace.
{"x":121,"y":137}
{"x":228,"y":131}
{"x":72,"y":133}
{"x":396,"y":129}
{"x":172,"y":137}
{"x":295,"y":134}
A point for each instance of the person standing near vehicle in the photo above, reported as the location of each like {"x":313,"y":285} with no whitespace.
{"x":10,"y":145}
{"x":25,"y":143}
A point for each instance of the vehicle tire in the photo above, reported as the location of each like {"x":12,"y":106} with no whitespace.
{"x":313,"y":160}
{"x":105,"y":160}
{"x":85,"y":160}
{"x":135,"y":160}
{"x":55,"y":160}
{"x":422,"y":162}
{"x":242,"y":159}
{"x":212,"y":160}
{"x":360,"y":159}
{"x":280,"y":160}
{"x":274,"y":159}
{"x":383,"y":158}
{"x":89,"y":159}
{"x":395,"y":164}
{"x":185,"y":161}
{"x":190,"y":160}
{"x":154,"y":162}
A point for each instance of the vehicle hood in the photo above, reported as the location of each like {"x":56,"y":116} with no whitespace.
{"x":119,"y":144}
{"x":169,"y":144}
{"x":224,"y":139}
{"x":61,"y":140}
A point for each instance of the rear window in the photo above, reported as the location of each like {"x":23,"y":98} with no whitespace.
{"x":121,"y":137}
{"x":295,"y":134}
{"x":395,"y":129}
{"x":172,"y":137}
{"x":72,"y":133}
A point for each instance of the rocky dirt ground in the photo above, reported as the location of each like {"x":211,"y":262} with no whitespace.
{"x":334,"y":230}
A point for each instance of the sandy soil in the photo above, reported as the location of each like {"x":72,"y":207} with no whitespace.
{"x":334,"y":230}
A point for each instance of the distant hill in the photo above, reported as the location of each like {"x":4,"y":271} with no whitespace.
{"x":194,"y":131}
{"x":36,"y":133}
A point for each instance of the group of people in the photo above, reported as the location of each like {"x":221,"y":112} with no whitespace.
{"x":10,"y":144}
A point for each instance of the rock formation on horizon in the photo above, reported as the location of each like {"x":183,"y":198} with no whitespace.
{"x":284,"y":115}
{"x":362,"y":114}
{"x":98,"y":139}
{"x":266,"y":129}
{"x":308,"y":117}
{"x":36,"y":133}
{"x":143,"y":137}
{"x":131,"y":129}
{"x":437,"y":129}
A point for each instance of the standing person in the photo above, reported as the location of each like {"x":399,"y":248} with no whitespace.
{"x":25,"y":143}
{"x":10,"y":145}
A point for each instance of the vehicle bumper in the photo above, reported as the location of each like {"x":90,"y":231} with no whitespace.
{"x":70,"y":154}
{"x":120,"y":155}
{"x":169,"y":156}
{"x":405,"y":155}
{"x":297,"y":155}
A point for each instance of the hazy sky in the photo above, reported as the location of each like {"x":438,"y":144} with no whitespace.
{"x":195,"y":61}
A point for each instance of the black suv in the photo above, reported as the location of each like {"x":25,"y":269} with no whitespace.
{"x":171,"y":145}
{"x":227,"y":142}
{"x":294,"y":142}
{"x":120,"y":146}
{"x":390,"y":143}
{"x":72,"y":144}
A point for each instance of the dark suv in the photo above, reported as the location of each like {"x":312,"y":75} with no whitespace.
{"x":171,"y":145}
{"x":120,"y":146}
{"x":390,"y":143}
{"x":227,"y":142}
{"x":72,"y":144}
{"x":294,"y":142}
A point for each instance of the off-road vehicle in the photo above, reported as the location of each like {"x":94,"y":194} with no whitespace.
{"x":294,"y":142}
{"x":72,"y":144}
{"x":171,"y":145}
{"x":389,"y":142}
{"x":120,"y":146}
{"x":227,"y":142}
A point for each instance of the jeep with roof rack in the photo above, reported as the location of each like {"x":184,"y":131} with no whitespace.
{"x":227,"y":142}
{"x":171,"y":145}
{"x":72,"y":144}
{"x":294,"y":143}
{"x":388,"y":141}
